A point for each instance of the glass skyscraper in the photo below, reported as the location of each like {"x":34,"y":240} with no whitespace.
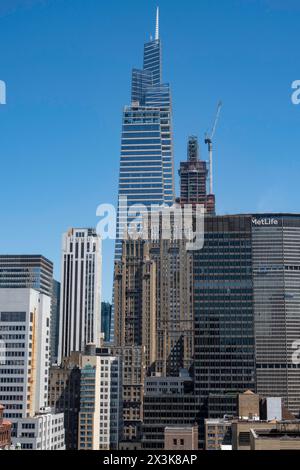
{"x":146,"y":164}
{"x":26,"y":271}
{"x":224,"y":316}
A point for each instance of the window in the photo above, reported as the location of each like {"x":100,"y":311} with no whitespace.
{"x":13,"y":316}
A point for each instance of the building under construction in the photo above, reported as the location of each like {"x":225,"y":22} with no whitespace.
{"x":193,"y":179}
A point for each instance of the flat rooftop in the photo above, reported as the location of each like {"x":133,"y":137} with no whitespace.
{"x":276,"y":434}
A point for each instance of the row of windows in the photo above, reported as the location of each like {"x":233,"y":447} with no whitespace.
{"x":140,"y":177}
{"x":6,"y":398}
{"x":139,"y":185}
{"x":11,"y":389}
{"x":10,"y":336}
{"x":12,"y":317}
{"x":15,"y":345}
{"x":141,"y":127}
{"x":143,"y":134}
{"x":135,"y":157}
{"x":11,"y":371}
{"x":13,"y":328}
{"x":141,"y":142}
{"x":4,"y":380}
{"x":14,"y":362}
{"x":140,"y":153}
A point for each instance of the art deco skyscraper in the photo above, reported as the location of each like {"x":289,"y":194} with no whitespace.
{"x":80,"y":308}
{"x":153,"y":318}
{"x":146,"y":164}
{"x":135,"y":324}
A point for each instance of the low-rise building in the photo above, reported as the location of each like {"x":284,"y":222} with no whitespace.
{"x":168,"y":402}
{"x":5,"y":430}
{"x":285,"y":436}
{"x":217,"y":433}
{"x":242,"y":431}
{"x":254,"y":413}
{"x":248,"y":405}
{"x":181,"y":438}
{"x":44,"y":431}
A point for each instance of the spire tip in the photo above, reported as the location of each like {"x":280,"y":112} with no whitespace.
{"x":157,"y":25}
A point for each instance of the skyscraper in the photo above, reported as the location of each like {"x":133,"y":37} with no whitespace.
{"x":224,"y":316}
{"x":64,"y":395}
{"x":26,"y":271}
{"x":24,"y":368}
{"x":193,"y":179}
{"x":134,"y":329}
{"x":246,"y":306}
{"x":35,"y":272}
{"x":153,"y":318}
{"x":100,"y":414}
{"x":80,"y":308}
{"x":146,"y":164}
{"x":276,"y":284}
{"x":24,"y":330}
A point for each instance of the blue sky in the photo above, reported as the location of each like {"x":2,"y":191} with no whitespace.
{"x":67,"y":66}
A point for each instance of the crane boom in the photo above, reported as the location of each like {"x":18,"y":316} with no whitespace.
{"x":209,"y":142}
{"x":216,"y":120}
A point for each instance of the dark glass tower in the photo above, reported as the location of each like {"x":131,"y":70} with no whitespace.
{"x":26,"y":271}
{"x":224,"y":316}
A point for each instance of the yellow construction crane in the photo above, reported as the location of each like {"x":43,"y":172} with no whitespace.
{"x":209,"y":142}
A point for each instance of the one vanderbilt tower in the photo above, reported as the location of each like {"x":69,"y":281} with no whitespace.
{"x":146,"y":164}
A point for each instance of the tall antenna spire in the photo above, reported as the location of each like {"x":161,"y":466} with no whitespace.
{"x":157,"y":25}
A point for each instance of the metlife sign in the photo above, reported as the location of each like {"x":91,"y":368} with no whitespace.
{"x":267,"y":221}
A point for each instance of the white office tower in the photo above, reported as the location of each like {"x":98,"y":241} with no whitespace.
{"x":24,"y":337}
{"x":80,"y":307}
{"x":24,"y":369}
{"x":100,"y":401}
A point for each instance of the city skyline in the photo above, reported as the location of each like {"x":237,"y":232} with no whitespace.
{"x":77,"y":119}
{"x":179,"y":332}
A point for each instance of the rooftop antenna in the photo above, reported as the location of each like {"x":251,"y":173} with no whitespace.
{"x":157,"y":25}
{"x":209,"y":142}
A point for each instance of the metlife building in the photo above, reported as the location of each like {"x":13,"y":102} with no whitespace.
{"x":246,"y":291}
{"x":276,"y":300}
